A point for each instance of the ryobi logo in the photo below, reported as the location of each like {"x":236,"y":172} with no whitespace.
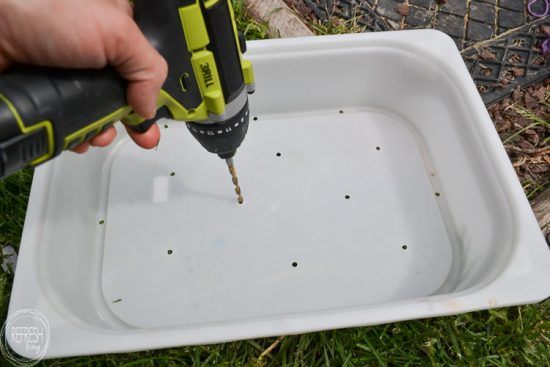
{"x":207,"y":74}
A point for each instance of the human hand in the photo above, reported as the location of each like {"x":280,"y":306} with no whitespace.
{"x":86,"y":34}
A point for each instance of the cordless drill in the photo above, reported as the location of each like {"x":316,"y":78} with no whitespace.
{"x":44,"y":111}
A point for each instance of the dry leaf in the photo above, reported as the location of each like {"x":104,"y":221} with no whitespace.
{"x":516,"y":95}
{"x":505,"y":125}
{"x":523,"y":121}
{"x":525,"y":145}
{"x":530,"y":101}
{"x":518,"y":71}
{"x":402,"y":9}
{"x":539,"y":93}
{"x":533,"y":137}
{"x":487,"y":55}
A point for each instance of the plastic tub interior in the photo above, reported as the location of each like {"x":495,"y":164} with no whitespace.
{"x":376,"y":189}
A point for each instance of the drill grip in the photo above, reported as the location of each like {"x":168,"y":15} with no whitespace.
{"x":44,"y":111}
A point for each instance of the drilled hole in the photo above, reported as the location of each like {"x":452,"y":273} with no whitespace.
{"x":347,"y":197}
{"x":404,"y":247}
{"x":341,"y":111}
{"x":172,"y":173}
{"x":278,"y":154}
{"x":378,"y":148}
{"x":166,"y":126}
{"x":102,"y":222}
{"x":255,"y":118}
{"x":437,"y":194}
{"x":294,"y":264}
{"x":169,"y":252}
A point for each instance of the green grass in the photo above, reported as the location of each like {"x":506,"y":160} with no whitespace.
{"x":336,"y":25}
{"x":14,"y":194}
{"x":535,"y":121}
{"x":251,"y":29}
{"x":515,"y":336}
{"x":532,"y":187}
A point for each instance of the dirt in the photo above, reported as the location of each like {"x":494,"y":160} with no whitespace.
{"x":526,"y":141}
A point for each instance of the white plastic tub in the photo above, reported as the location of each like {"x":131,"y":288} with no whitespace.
{"x":392,"y":199}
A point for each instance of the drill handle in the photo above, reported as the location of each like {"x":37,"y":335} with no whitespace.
{"x":44,"y":111}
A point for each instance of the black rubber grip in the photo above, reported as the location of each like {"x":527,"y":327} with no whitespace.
{"x":17,"y":151}
{"x":69,"y":99}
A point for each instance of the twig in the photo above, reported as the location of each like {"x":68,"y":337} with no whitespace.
{"x":543,"y":150}
{"x":270,"y":348}
{"x":479,"y":45}
{"x":520,"y":162}
{"x":530,"y":126}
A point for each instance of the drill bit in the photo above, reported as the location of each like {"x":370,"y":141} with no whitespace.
{"x":234,"y":178}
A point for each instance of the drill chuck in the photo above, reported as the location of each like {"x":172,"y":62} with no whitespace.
{"x":222,"y":138}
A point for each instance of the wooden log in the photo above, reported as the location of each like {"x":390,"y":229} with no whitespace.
{"x":281,"y":21}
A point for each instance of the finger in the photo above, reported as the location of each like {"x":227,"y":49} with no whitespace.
{"x":82,"y":148}
{"x":148,"y":139}
{"x":125,"y":6}
{"x":104,"y":139}
{"x":139,"y":63}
